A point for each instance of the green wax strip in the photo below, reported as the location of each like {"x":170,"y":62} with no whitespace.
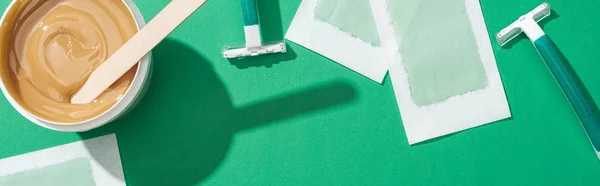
{"x":439,"y":49}
{"x":74,"y":172}
{"x":352,"y":16}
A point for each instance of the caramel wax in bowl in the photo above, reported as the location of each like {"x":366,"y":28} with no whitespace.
{"x":49,"y":49}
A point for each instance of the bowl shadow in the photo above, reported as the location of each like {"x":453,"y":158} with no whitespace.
{"x":182,"y":129}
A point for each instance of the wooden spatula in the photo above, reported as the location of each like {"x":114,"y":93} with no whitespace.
{"x":137,"y":47}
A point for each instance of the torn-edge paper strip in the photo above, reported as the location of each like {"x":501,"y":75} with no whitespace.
{"x":102,"y":153}
{"x":340,"y":46}
{"x":456,"y":113}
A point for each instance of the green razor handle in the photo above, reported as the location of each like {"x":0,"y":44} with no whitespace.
{"x":580,"y":100}
{"x":250,"y":12}
{"x":251,"y":23}
{"x":572,"y":87}
{"x":254,"y":45}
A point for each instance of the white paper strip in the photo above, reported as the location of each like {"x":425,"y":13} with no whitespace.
{"x":102,"y":152}
{"x":459,"y":112}
{"x":341,"y":47}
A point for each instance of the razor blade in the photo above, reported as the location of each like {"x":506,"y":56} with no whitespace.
{"x":243,"y":51}
{"x":514,"y":29}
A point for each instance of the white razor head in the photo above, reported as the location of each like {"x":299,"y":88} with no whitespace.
{"x":242,"y":51}
{"x":514,"y":29}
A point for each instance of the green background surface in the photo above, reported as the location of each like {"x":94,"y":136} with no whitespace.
{"x":300,"y":119}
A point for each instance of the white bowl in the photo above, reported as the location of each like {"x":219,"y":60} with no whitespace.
{"x":133,"y":95}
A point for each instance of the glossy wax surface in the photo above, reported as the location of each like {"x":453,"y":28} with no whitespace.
{"x":53,"y":46}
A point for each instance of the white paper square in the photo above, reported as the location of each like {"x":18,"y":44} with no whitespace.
{"x":325,"y":39}
{"x":459,"y":112}
{"x":102,"y":152}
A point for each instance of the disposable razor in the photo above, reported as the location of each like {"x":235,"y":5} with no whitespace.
{"x":580,"y":100}
{"x":254,"y":45}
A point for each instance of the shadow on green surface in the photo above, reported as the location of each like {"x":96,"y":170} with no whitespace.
{"x":553,"y":15}
{"x":182,"y":129}
{"x":270,"y":20}
{"x":271,"y":27}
